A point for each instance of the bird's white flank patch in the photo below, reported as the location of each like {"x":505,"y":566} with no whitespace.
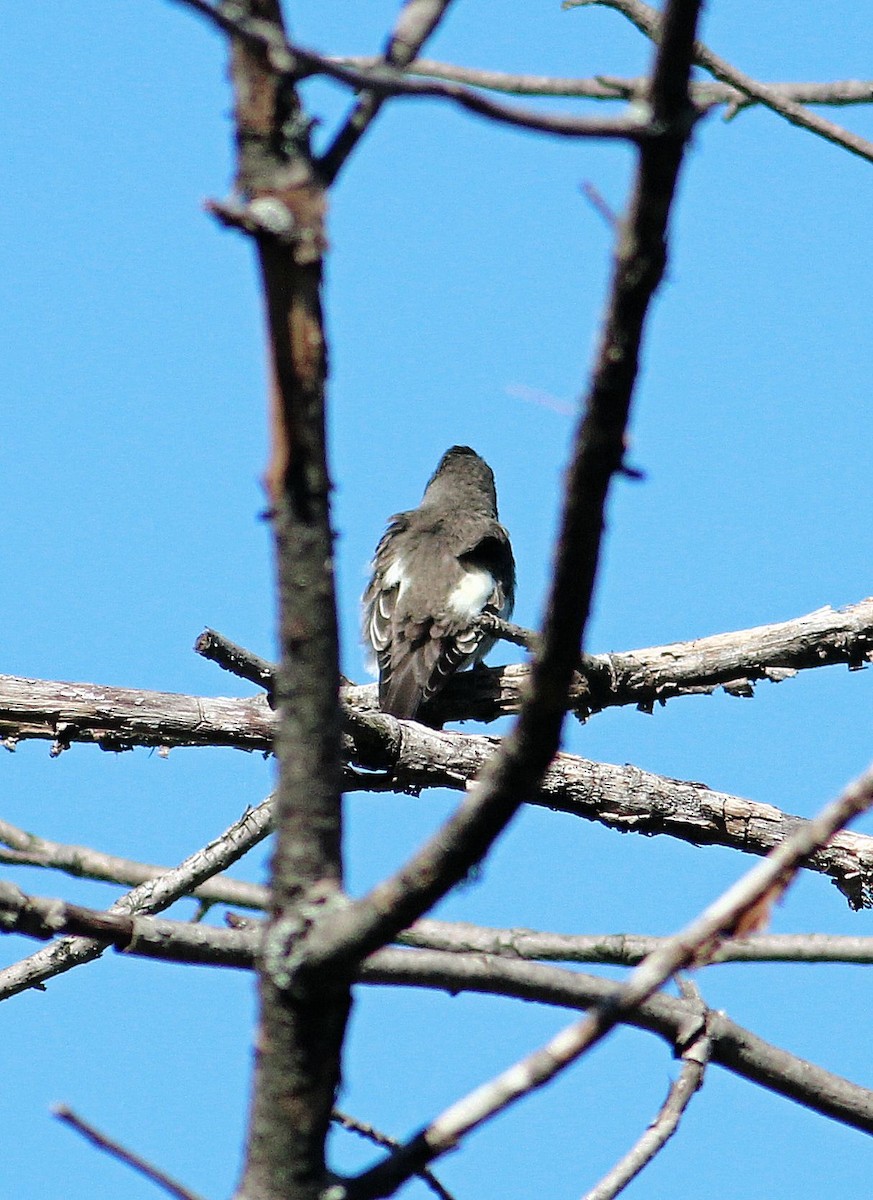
{"x":395,"y":575}
{"x":471,"y":594}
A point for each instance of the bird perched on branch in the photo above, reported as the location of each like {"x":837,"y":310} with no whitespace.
{"x":437,"y":569}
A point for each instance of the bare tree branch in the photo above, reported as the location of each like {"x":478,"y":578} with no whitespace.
{"x":148,"y":937}
{"x":151,"y":897}
{"x":839,"y":92}
{"x":120,"y":718}
{"x":297,"y":1067}
{"x":383,"y":82}
{"x":27,"y":849}
{"x":675,"y":1020}
{"x":729,"y":914}
{"x":624,"y":798}
{"x":410,"y":757}
{"x":192,"y":942}
{"x":293,"y":61}
{"x":116,"y":1150}
{"x":342,"y":938}
{"x":732,"y":661}
{"x":365,"y":1130}
{"x":415,"y":23}
{"x":695,"y":1057}
{"x":236,"y":659}
{"x":628,"y":949}
{"x":678,"y":1021}
{"x":648,"y":20}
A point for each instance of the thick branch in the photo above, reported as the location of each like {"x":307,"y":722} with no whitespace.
{"x":120,"y":718}
{"x":297,"y":1067}
{"x":732,"y":661}
{"x":411,"y":757}
{"x":623,"y":798}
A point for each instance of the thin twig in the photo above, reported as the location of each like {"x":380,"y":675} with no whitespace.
{"x":294,"y":61}
{"x":365,"y":1130}
{"x":694,"y":1057}
{"x":838,"y":93}
{"x":507,"y":631}
{"x":648,"y":20}
{"x":151,"y":897}
{"x":27,"y":849}
{"x":600,"y":206}
{"x":116,"y":1150}
{"x":415,"y":23}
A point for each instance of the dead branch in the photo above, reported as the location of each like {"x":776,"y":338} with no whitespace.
{"x":627,"y":949}
{"x":236,"y":659}
{"x":732,"y":661}
{"x":293,"y":62}
{"x":648,"y":20}
{"x":415,"y":23}
{"x":278,"y":180}
{"x":365,"y":1130}
{"x":27,"y":849}
{"x":695,"y":1057}
{"x":729,"y":914}
{"x":674,"y":1019}
{"x":677,"y":1021}
{"x":116,"y":1150}
{"x":151,"y":897}
{"x":837,"y":93}
{"x":410,"y":757}
{"x":344,"y":936}
{"x":120,"y":718}
{"x":628,"y":799}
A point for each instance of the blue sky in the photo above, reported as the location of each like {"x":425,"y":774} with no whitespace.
{"x":464,"y":292}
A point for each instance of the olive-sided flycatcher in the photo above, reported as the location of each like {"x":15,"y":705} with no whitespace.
{"x":437,"y":569}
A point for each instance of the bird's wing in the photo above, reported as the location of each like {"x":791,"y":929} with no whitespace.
{"x":418,"y":644}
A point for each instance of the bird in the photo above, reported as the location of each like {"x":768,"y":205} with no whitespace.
{"x":436,"y":570}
